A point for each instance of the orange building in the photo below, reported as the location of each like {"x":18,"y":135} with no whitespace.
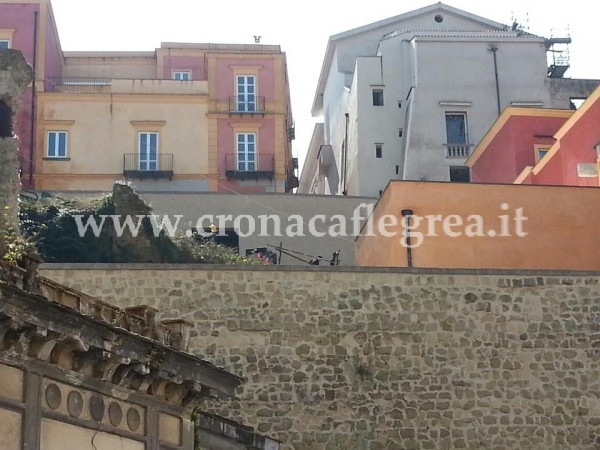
{"x":482,"y":226}
{"x":541,"y":146}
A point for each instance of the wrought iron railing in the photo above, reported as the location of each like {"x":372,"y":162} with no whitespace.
{"x":458,"y":150}
{"x":143,"y":166}
{"x":247,"y":104}
{"x":78,"y":85}
{"x":256,"y":166}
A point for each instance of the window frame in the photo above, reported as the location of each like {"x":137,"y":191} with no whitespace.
{"x":378,"y":150}
{"x":7,"y":43}
{"x":187,"y":73}
{"x":148,"y":160}
{"x":464,"y":169}
{"x":246,"y":101}
{"x":377,"y":96}
{"x":465,"y":130}
{"x":537,"y":148}
{"x":57,"y":145}
{"x":244,"y":165}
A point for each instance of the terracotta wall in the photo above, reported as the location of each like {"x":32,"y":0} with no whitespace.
{"x":560,"y":223}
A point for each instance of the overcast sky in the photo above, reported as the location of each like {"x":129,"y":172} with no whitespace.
{"x":301,"y":28}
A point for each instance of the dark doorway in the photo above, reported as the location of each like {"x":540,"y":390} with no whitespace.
{"x":5,"y":120}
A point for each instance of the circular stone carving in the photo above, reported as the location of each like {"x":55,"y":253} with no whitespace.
{"x":53,"y":396}
{"x":115,"y":414}
{"x":133,"y":419}
{"x":439,"y":18}
{"x":97,"y":407}
{"x":75,"y":403}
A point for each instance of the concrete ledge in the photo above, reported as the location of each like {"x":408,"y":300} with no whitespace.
{"x":327,"y":269}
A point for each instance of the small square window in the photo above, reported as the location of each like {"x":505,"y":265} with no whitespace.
{"x":378,"y":150}
{"x":4,"y":43}
{"x":460,"y":174}
{"x":377,"y":97}
{"x":399,"y":104}
{"x":540,"y":152}
{"x":182,"y":76}
{"x":57,"y":144}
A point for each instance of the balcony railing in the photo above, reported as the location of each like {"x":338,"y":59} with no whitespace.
{"x":147,"y":166}
{"x":262,"y":167}
{"x":90,"y":85}
{"x":458,"y":150}
{"x":246,"y":105}
{"x":78,"y":85}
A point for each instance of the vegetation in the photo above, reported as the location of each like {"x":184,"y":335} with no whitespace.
{"x":51,"y":225}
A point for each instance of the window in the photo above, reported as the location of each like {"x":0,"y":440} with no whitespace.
{"x":460,"y":174}
{"x":378,"y":150}
{"x":182,"y":76}
{"x":148,"y":151}
{"x":456,"y":128}
{"x":377,"y":97}
{"x":246,"y":93}
{"x":246,"y":152}
{"x":540,"y":151}
{"x":400,"y":132}
{"x":4,"y":43}
{"x":57,"y":144}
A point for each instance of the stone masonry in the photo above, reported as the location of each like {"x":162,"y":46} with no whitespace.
{"x":386,"y":359}
{"x":15,"y":75}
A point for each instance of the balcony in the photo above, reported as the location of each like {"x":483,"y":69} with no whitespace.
{"x":248,"y":106}
{"x":264,"y":168}
{"x":458,"y":150}
{"x":157,"y":166}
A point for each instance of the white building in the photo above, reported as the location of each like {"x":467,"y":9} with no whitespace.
{"x":409,"y":97}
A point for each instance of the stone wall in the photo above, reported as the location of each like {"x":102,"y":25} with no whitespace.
{"x":387,"y":359}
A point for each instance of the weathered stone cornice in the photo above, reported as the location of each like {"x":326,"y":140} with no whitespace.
{"x":31,"y":326}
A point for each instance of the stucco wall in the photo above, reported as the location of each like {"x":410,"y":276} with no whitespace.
{"x":477,"y":226}
{"x":102,"y":128}
{"x":376,"y":359}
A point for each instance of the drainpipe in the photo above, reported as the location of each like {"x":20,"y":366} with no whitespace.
{"x":494,"y":49}
{"x":406,"y":213}
{"x":345,"y":165}
{"x":32,"y":131}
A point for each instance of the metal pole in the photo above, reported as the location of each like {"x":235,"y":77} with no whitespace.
{"x":406,"y":213}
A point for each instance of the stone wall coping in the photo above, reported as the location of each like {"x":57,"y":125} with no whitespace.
{"x":326,"y":269}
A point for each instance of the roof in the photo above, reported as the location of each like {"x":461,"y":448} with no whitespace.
{"x":336,"y":38}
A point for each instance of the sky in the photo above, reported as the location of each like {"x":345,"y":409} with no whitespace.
{"x":302,"y":29}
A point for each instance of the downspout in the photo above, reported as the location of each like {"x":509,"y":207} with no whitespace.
{"x":406,"y":213}
{"x":345,"y":165}
{"x":32,"y":131}
{"x":494,"y":49}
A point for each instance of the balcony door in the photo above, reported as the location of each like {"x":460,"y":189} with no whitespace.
{"x":246,"y":152}
{"x":148,"y":151}
{"x":246,"y":93}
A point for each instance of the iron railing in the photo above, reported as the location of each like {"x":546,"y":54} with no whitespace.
{"x":247,"y":104}
{"x":78,"y":85}
{"x":458,"y":150}
{"x":143,"y":166}
{"x":263,"y":166}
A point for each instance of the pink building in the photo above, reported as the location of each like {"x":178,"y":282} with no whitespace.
{"x":184,"y":117}
{"x":541,"y":146}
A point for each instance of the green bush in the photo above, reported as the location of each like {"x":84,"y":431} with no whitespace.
{"x":51,"y":225}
